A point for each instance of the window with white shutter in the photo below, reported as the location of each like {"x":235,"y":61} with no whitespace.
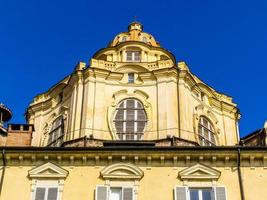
{"x":101,"y":193}
{"x":130,"y":120}
{"x":46,"y":193}
{"x":181,"y":193}
{"x":185,"y":193}
{"x":219,"y":193}
{"x":127,"y":193}
{"x":114,"y":193}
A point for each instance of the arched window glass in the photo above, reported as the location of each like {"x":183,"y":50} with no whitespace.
{"x":56,"y":133}
{"x":130,"y":120}
{"x":144,"y":39}
{"x":124,"y":38}
{"x":206,"y":133}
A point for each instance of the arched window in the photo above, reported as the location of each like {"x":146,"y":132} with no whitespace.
{"x":206,"y":133}
{"x":56,"y":133}
{"x":144,"y":39}
{"x":130,"y":119}
{"x":124,"y":38}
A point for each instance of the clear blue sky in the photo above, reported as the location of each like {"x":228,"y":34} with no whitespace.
{"x":223,"y":41}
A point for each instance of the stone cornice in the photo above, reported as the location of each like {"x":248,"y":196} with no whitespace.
{"x":145,"y":156}
{"x":113,"y":66}
{"x":133,"y":43}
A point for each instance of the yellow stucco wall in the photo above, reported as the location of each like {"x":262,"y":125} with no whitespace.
{"x":157,"y":183}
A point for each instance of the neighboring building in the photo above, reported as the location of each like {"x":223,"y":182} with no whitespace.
{"x":132,"y":125}
{"x":257,"y":138}
{"x":15,"y":134}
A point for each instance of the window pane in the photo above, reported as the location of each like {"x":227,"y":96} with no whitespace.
{"x":40,"y":193}
{"x":129,"y":56}
{"x":137,"y":56}
{"x":140,"y":126}
{"x":119,"y":127}
{"x":115,"y":194}
{"x":130,"y":127}
{"x":130,"y":115}
{"x":130,"y":103}
{"x":131,"y":78}
{"x":194,"y":194}
{"x":52,"y":194}
{"x":119,"y":115}
{"x":206,"y":194}
{"x":141,"y":116}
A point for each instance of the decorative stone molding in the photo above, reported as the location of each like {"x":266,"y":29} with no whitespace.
{"x":48,"y":174}
{"x":199,"y":172}
{"x":122,"y":171}
{"x":48,"y":170}
{"x":206,"y":111}
{"x":126,"y":94}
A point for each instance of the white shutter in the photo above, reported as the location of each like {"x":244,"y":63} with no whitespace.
{"x":127,"y":193}
{"x":219,"y":193}
{"x":181,"y":193}
{"x":40,"y":193}
{"x":52,"y":193}
{"x":101,"y":193}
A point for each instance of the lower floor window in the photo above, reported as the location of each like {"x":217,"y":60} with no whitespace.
{"x":200,"y":194}
{"x":46,"y":193}
{"x":114,"y":193}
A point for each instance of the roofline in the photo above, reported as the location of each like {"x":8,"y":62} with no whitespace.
{"x":254,"y":133}
{"x":139,"y":42}
{"x":131,"y":148}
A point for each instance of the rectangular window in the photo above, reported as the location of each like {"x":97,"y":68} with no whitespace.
{"x":46,"y":193}
{"x":131,"y":78}
{"x":114,"y":193}
{"x":187,"y":193}
{"x":133,"y":56}
{"x":200,"y":193}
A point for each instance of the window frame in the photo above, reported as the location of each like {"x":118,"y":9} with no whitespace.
{"x":124,"y":38}
{"x":200,"y":192}
{"x":46,"y":184}
{"x":203,"y":141}
{"x":56,"y":133}
{"x":131,"y":56}
{"x":122,"y":188}
{"x":122,"y":106}
{"x":185,"y":192}
{"x":130,"y":77}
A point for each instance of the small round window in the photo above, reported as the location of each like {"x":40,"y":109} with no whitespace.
{"x":206,"y":134}
{"x":130,"y":120}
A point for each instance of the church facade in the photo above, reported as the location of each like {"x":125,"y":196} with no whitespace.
{"x":133,"y":124}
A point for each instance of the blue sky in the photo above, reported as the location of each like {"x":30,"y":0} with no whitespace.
{"x":223,"y":41}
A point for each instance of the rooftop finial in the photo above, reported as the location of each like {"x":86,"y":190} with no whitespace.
{"x":135,"y":26}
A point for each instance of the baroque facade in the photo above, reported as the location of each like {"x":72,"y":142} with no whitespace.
{"x":133,"y":124}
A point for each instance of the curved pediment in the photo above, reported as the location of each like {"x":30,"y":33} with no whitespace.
{"x":48,"y":170}
{"x":122,"y":171}
{"x":133,"y":68}
{"x":199,"y":172}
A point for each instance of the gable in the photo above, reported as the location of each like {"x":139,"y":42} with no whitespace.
{"x":48,"y":170}
{"x":122,"y":171}
{"x":199,"y":172}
